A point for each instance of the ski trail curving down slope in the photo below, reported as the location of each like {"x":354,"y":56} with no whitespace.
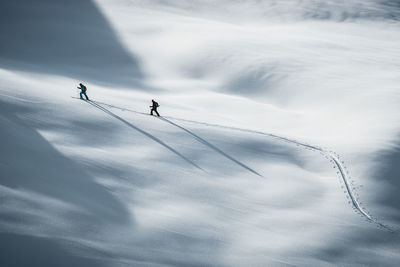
{"x":332,"y":156}
{"x":328,"y":154}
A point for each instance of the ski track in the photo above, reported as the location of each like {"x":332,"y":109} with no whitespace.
{"x":328,"y":154}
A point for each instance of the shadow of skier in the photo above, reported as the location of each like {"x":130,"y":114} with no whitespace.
{"x":201,"y":140}
{"x":120,"y":108}
{"x":145,"y":133}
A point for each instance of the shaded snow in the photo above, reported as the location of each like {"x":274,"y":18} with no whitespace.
{"x":106,"y":184}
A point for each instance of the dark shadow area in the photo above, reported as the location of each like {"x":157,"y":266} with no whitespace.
{"x":201,"y":140}
{"x":69,"y":38}
{"x":366,"y":243}
{"x":49,"y":173}
{"x":21,"y":251}
{"x":337,"y":11}
{"x":29,"y":163}
{"x":390,"y":175}
{"x":338,"y":253}
{"x":144,"y":133}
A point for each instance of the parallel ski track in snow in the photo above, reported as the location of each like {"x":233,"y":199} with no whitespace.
{"x":331,"y":155}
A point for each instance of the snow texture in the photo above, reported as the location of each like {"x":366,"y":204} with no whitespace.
{"x":277,"y":143}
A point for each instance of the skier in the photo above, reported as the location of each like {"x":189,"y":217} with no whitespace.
{"x":154,"y":107}
{"x":83,"y":91}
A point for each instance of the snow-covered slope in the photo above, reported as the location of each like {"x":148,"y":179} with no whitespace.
{"x":240,"y":170}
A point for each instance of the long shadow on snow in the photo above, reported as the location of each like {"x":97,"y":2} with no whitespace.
{"x":276,"y":151}
{"x":201,"y":140}
{"x":69,"y":38}
{"x":29,"y":163}
{"x":120,"y":108}
{"x":144,"y":133}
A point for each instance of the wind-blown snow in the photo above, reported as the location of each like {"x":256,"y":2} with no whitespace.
{"x":278,"y":143}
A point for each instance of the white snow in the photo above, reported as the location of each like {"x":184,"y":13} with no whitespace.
{"x":257,"y":98}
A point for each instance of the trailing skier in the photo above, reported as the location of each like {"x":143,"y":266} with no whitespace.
{"x":83,"y":91}
{"x":154,"y":107}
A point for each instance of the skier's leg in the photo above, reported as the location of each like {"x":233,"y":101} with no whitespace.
{"x":151,"y":111}
{"x":157,"y":112}
{"x":81,"y":95}
{"x":87,"y":98}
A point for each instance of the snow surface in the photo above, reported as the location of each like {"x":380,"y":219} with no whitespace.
{"x":277,"y":145}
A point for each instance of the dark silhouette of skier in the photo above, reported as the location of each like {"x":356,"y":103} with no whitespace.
{"x":83,"y":91}
{"x":154,"y":107}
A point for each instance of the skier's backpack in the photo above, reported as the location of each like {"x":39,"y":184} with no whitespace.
{"x":83,"y":88}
